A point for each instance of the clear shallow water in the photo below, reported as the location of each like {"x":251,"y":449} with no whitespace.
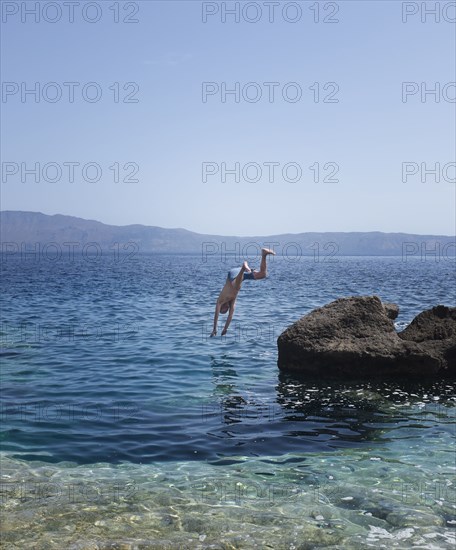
{"x":123,"y":421}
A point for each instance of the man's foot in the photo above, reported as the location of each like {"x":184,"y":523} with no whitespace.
{"x":266,"y":251}
{"x":245,"y":265}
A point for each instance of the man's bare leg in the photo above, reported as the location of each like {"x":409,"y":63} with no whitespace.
{"x":240,"y":276}
{"x":263,"y":269}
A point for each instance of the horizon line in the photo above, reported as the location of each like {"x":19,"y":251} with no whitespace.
{"x":216,"y":234}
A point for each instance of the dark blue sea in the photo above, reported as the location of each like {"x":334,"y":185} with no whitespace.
{"x":125,"y":426}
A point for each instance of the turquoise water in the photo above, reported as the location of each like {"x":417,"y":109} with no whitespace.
{"x":126,"y":426}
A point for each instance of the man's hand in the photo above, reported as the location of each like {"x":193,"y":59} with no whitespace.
{"x":213,"y":333}
{"x":224,"y":331}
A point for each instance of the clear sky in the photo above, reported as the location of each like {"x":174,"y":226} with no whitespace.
{"x":366,"y":49}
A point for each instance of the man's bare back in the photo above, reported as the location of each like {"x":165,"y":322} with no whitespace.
{"x":227,"y":297}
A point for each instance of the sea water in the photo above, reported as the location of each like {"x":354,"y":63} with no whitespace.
{"x":126,"y":426}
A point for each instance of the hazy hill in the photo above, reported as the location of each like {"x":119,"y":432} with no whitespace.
{"x":33,"y":227}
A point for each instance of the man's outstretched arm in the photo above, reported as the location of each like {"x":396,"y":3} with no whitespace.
{"x":228,"y":321}
{"x":216,"y":314}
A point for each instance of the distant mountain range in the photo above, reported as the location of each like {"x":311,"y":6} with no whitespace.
{"x":24,"y":229}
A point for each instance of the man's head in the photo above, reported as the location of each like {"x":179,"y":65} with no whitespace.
{"x":225,"y":307}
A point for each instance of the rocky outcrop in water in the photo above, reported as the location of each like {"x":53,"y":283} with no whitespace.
{"x":355,"y":337}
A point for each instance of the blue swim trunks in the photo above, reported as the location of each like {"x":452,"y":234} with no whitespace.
{"x":233,"y":273}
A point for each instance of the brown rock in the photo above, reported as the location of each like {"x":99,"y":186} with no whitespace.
{"x":355,"y":337}
{"x":435,"y":330}
{"x":392,"y":310}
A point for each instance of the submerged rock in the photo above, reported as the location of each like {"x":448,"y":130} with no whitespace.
{"x":355,"y":337}
{"x":414,"y":518}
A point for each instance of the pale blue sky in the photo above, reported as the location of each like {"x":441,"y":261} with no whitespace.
{"x":170,"y":132}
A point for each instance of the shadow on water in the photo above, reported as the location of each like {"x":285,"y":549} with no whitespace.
{"x":234,"y":405}
{"x":364,"y":411}
{"x":316,"y":415}
{"x":224,"y":377}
